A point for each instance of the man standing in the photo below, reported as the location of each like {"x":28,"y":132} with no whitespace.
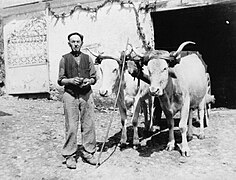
{"x":77,"y":74}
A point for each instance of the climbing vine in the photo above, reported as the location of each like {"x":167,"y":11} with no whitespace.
{"x":143,"y":7}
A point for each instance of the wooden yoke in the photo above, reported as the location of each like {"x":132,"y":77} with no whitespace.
{"x":135,"y":66}
{"x":135,"y":70}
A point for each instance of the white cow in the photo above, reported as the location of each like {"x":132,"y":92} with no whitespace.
{"x":180,"y":86}
{"x":131,"y":92}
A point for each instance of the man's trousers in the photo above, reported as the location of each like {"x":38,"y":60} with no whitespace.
{"x":79,"y":108}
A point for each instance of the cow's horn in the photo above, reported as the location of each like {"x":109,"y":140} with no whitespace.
{"x":93,"y":53}
{"x":181,"y":47}
{"x":101,"y":57}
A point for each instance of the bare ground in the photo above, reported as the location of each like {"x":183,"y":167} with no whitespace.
{"x":32,"y":135}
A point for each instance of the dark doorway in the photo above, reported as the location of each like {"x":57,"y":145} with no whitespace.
{"x":213,"y":28}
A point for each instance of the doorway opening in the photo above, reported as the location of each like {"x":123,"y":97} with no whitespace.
{"x":213,"y":29}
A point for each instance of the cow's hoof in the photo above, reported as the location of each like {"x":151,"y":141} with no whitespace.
{"x":136,"y":143}
{"x":122,"y":146}
{"x":136,"y":146}
{"x":170,"y":146}
{"x":155,"y":129}
{"x":185,"y":151}
{"x":201,"y":136}
{"x":123,"y":141}
{"x":189,"y":137}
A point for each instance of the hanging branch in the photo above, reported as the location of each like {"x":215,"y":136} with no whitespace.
{"x":140,"y":29}
{"x":80,"y":7}
{"x":145,"y":6}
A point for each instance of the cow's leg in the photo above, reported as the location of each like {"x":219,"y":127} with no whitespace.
{"x":151,"y":111}
{"x":201,"y":118}
{"x":144,"y":107}
{"x":147,"y":109}
{"x":206,"y":115}
{"x":190,"y":125}
{"x":149,"y":123}
{"x":171,"y":123}
{"x":129,"y":101}
{"x":183,"y":127}
{"x":156,"y":114}
{"x":169,"y":112}
{"x":123,"y":114}
{"x":135,"y":116}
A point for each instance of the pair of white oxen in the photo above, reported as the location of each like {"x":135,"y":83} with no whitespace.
{"x":181,"y":85}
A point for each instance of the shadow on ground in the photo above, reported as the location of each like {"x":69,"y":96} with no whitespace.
{"x":155,"y":141}
{"x":4,"y":114}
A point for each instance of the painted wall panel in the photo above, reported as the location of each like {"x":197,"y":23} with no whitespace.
{"x":28,"y":79}
{"x":26,"y":54}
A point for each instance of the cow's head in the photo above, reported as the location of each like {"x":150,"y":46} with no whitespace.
{"x":158,"y":72}
{"x":110,"y":76}
{"x":160,"y":66}
{"x":109,"y":68}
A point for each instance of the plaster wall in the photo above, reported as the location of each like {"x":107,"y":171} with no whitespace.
{"x":107,"y":32}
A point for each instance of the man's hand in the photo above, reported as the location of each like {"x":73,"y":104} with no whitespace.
{"x":86,"y":82}
{"x":76,"y":81}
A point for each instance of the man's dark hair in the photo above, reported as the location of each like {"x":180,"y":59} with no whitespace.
{"x":76,"y":33}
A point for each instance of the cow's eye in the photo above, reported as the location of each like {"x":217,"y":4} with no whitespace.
{"x":165,"y":69}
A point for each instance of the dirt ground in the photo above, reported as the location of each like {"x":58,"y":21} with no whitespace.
{"x":32,"y":135}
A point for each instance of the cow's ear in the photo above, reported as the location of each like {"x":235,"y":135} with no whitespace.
{"x":172,"y":73}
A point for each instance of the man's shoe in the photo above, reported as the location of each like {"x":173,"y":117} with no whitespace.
{"x":70,"y":162}
{"x":88,"y":158}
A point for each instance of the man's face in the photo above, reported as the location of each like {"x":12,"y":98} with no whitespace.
{"x":75,"y":43}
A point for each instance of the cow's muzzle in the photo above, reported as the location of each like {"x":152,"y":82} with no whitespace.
{"x":103,"y":93}
{"x":155,"y":91}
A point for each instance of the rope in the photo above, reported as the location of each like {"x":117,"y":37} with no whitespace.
{"x":117,"y":96}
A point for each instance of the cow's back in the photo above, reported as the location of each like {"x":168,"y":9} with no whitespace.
{"x":192,"y":78}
